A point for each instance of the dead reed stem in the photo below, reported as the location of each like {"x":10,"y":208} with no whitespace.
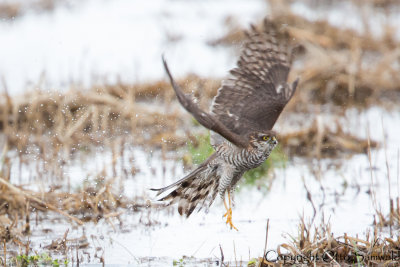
{"x":35,"y":199}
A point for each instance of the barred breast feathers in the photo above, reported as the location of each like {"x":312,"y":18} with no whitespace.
{"x":242,"y":158}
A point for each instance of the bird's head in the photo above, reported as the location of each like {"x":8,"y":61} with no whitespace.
{"x":265,"y":141}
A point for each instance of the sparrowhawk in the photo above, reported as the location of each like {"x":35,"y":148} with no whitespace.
{"x":243,"y":113}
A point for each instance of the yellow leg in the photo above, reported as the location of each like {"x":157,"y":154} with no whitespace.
{"x":228,"y":213}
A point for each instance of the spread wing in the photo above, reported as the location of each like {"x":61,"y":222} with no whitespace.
{"x":206,"y":119}
{"x":252,"y":99}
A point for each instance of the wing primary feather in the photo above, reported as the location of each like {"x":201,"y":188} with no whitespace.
{"x":294,"y":86}
{"x":207,"y":120}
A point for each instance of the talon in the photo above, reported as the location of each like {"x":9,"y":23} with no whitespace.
{"x":228,"y":216}
{"x":228,"y":213}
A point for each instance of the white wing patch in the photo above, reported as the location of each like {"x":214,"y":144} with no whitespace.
{"x":233,"y":116}
{"x":279,"y":88}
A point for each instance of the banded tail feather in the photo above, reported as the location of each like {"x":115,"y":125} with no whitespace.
{"x":198,"y":187}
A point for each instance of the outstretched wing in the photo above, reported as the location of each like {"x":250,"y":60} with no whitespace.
{"x":255,"y":95}
{"x":206,"y":119}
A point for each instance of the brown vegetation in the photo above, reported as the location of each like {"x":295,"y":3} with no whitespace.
{"x":392,"y":220}
{"x":319,"y":141}
{"x":320,"y":247}
{"x":13,"y":9}
{"x":76,"y":119}
{"x":88,"y":204}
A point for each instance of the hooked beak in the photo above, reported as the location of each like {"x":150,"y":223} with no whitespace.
{"x":274,"y":141}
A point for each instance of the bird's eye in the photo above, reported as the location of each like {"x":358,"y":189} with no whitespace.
{"x":265,"y":138}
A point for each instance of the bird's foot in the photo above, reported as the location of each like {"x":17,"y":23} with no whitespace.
{"x":228,"y":216}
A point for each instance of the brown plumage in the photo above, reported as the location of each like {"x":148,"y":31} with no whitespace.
{"x":250,"y":100}
{"x":243,"y":113}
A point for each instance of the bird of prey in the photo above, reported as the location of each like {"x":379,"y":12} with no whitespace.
{"x":242,"y":115}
